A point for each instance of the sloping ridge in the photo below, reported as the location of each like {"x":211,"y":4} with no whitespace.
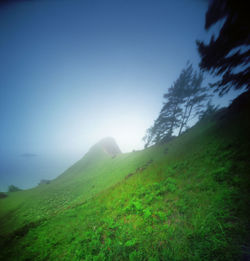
{"x":191,"y":190}
{"x":84,"y":178}
{"x":105,"y":149}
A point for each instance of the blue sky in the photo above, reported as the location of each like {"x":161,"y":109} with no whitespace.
{"x":73,"y":72}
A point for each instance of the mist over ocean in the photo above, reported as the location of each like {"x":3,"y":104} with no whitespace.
{"x":26,"y":170}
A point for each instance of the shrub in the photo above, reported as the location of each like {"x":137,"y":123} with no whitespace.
{"x":13,"y":188}
{"x":135,"y":256}
{"x":220,"y":174}
{"x":134,"y":206}
{"x":147,"y":213}
{"x":3,"y":195}
{"x":161,"y":215}
{"x":44,"y":181}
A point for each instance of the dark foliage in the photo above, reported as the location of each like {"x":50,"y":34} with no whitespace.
{"x":44,"y":181}
{"x":242,"y":102}
{"x":3,"y":195}
{"x":13,"y":188}
{"x":209,"y":111}
{"x":184,"y":99}
{"x":228,"y":56}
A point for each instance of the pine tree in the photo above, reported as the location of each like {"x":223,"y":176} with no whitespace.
{"x":183,"y":98}
{"x":194,"y":95}
{"x":228,"y":55}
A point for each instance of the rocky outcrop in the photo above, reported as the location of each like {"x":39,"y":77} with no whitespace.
{"x":109,"y":146}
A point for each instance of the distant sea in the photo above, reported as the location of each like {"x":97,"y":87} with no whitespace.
{"x":25,"y":171}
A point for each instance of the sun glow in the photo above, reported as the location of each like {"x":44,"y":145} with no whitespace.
{"x":127,"y":131}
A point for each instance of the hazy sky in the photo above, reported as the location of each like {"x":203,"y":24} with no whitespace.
{"x":75,"y":71}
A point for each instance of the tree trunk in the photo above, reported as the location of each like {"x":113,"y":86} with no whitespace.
{"x":173,"y":121}
{"x":190,"y":110}
{"x":183,"y":120}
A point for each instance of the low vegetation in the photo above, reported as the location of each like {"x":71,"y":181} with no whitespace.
{"x":3,"y":195}
{"x":13,"y":188}
{"x":184,"y":200}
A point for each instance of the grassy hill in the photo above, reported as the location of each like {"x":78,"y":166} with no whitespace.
{"x":184,"y":200}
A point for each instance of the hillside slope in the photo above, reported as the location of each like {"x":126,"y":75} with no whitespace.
{"x":102,"y":167}
{"x":185,"y":200}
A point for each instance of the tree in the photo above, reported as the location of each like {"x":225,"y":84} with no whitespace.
{"x":177,"y":96}
{"x":194,"y":96}
{"x":228,"y":55}
{"x":13,"y":188}
{"x":183,"y":97}
{"x":148,"y":137}
{"x":169,"y":117}
{"x":209,"y":111}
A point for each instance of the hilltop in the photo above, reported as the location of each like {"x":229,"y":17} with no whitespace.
{"x":109,"y":146}
{"x":183,"y":200}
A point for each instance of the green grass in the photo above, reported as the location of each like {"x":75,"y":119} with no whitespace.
{"x":185,"y":200}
